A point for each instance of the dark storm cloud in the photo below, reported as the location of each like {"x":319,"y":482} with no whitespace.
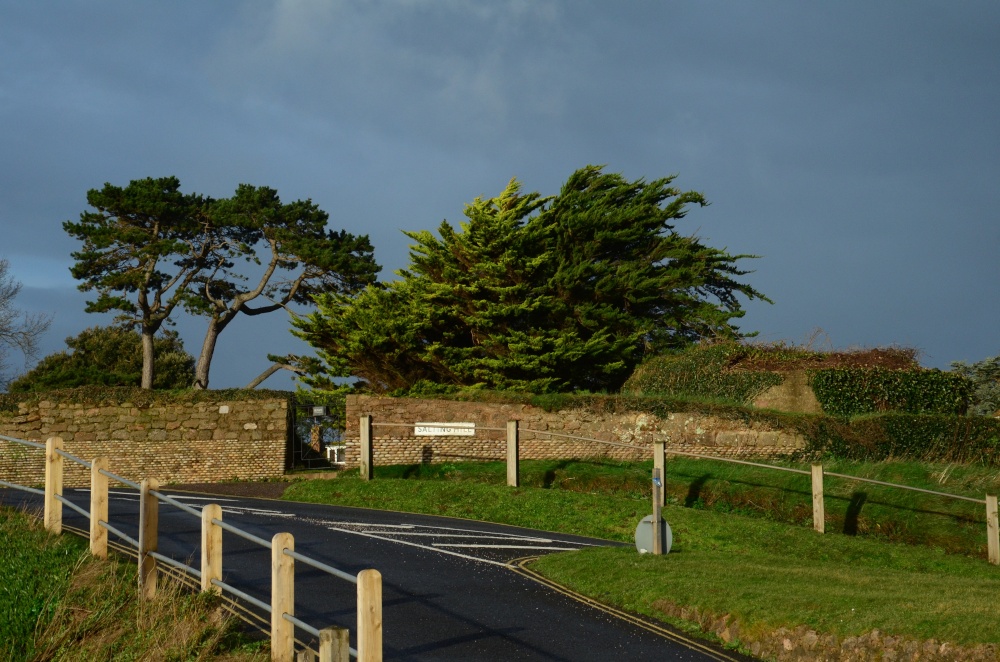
{"x":852,"y":144}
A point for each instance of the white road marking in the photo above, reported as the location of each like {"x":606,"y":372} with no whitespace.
{"x":432,"y":549}
{"x":561,"y":549}
{"x":461,"y":535}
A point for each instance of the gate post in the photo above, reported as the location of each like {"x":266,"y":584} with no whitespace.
{"x":366,"y":448}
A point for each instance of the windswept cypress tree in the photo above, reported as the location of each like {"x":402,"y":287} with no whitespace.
{"x":540,"y":294}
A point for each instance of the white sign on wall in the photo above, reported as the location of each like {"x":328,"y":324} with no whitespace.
{"x":444,"y":429}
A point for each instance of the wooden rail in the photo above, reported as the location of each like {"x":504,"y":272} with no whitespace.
{"x":334,"y":642}
{"x":660,"y":452}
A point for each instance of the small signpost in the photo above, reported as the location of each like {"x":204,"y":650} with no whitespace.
{"x":444,"y":429}
{"x":653,"y":533}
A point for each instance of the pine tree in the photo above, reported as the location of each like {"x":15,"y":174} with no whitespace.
{"x":539,"y":294}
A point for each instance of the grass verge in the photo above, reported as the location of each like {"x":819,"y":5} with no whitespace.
{"x":741,"y":543}
{"x":62,"y":604}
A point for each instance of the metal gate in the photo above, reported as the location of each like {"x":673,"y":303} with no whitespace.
{"x":317,"y":438}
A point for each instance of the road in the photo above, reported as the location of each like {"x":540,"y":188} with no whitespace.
{"x":452,"y":589}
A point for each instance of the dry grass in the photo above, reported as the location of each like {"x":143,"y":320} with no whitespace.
{"x":101,"y":618}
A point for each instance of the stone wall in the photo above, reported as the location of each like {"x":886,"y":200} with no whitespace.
{"x":395,"y":442}
{"x":193,"y":442}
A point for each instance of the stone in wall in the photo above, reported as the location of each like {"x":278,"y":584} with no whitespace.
{"x":176,"y":442}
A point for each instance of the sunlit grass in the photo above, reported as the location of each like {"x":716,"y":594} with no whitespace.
{"x":743,"y":542}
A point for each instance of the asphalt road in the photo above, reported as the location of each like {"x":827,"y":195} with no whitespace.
{"x":452,"y":589}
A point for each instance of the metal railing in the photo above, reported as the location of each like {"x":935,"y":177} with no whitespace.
{"x":333,"y":641}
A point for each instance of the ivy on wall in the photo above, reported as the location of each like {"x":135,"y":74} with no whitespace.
{"x":854,"y":392}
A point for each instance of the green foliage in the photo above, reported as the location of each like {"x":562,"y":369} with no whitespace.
{"x":150,"y":248}
{"x":702,"y":371}
{"x":853,"y":392}
{"x":109,"y":356}
{"x":538,"y":294}
{"x":985,"y":378}
{"x":301,"y":259}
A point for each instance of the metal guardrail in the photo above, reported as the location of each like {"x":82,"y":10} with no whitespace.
{"x":332,"y":643}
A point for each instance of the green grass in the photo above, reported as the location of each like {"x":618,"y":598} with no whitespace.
{"x":852,"y":507}
{"x":34,"y":574}
{"x":743,"y":543}
{"x":59,"y":603}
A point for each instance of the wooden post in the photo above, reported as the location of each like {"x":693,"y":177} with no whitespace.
{"x":149,"y":516}
{"x":819,"y":512}
{"x":513,"y":456}
{"x":334,"y":645}
{"x":659,"y":462}
{"x":98,"y":508}
{"x":211,"y":548}
{"x":282,"y":598}
{"x":366,"y":448}
{"x":53,"y":485}
{"x":992,"y":528}
{"x":657,"y":514}
{"x":369,"y":616}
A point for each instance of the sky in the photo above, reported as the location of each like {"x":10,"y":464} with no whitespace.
{"x":853,"y":145}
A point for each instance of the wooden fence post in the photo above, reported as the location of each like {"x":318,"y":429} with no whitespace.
{"x":98,"y":507}
{"x":366,"y":448}
{"x":657,"y":514}
{"x":149,"y":516}
{"x":992,"y":530}
{"x":334,"y":645}
{"x":369,"y":616}
{"x":819,"y":512}
{"x":53,"y":485}
{"x":282,"y":598}
{"x":513,"y":455}
{"x":659,"y":462}
{"x":211,"y":547}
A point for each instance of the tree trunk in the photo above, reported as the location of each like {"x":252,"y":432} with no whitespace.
{"x":204,"y":364}
{"x":147,"y":358}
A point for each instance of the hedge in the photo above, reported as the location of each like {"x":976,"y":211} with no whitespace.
{"x":854,"y":392}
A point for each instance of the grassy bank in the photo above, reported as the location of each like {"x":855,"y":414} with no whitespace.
{"x":58,"y":603}
{"x":852,"y":507}
{"x":742,"y":544}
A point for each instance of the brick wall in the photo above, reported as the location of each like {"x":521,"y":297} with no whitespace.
{"x":196,"y":442}
{"x":394,"y":441}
